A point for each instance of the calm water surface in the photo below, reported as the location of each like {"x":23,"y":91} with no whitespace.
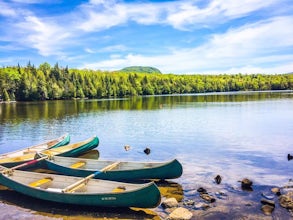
{"x":235,"y":135}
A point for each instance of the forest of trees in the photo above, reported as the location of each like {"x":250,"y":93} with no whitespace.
{"x":54,"y":82}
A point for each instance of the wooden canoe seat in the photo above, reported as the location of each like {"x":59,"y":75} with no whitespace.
{"x":43,"y":183}
{"x":79,"y":164}
{"x":119,"y":189}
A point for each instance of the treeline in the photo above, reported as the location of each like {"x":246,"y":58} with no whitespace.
{"x":54,"y":82}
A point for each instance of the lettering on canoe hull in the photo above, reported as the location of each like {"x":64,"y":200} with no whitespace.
{"x":109,"y":198}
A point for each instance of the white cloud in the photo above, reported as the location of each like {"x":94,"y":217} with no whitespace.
{"x":6,"y":10}
{"x":187,"y":14}
{"x":44,"y":36}
{"x":99,"y":15}
{"x":244,"y":49}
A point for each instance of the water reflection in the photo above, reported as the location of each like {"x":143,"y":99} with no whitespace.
{"x":170,"y":189}
{"x":34,"y":111}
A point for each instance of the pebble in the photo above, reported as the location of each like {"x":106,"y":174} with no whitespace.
{"x":276,"y":190}
{"x":188,"y":203}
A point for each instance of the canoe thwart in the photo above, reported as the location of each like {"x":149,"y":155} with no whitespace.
{"x":110,"y":167}
{"x":79,"y":164}
{"x":77,"y":185}
{"x":42,"y":183}
{"x":78,"y":188}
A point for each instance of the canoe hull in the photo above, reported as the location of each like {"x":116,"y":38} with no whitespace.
{"x":71,"y":150}
{"x":146,"y":197}
{"x":25,"y":157}
{"x":168,"y":170}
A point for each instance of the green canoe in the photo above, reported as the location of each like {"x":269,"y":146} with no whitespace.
{"x":92,"y":192}
{"x":23,"y":155}
{"x":111,"y":170}
{"x":70,"y":150}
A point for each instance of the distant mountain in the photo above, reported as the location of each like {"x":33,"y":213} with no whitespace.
{"x":140,"y":69}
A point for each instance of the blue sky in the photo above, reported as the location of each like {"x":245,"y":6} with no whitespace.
{"x":181,"y":37}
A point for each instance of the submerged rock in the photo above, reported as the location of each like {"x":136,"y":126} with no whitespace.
{"x":286,"y":201}
{"x":127,"y":147}
{"x":180,"y":214}
{"x":147,"y":151}
{"x":267,"y":209}
{"x":207,"y":197}
{"x":201,"y":190}
{"x":218,"y":179}
{"x":246,"y":184}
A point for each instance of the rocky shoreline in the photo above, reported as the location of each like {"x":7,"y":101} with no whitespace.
{"x":221,"y":201}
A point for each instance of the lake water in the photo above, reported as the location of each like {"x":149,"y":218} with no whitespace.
{"x":235,"y":135}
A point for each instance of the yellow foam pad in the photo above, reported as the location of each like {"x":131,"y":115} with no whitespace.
{"x":79,"y":164}
{"x":119,"y":189}
{"x":40,"y":182}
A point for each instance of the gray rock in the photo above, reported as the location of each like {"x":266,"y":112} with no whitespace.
{"x":180,"y":214}
{"x":169,"y":203}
